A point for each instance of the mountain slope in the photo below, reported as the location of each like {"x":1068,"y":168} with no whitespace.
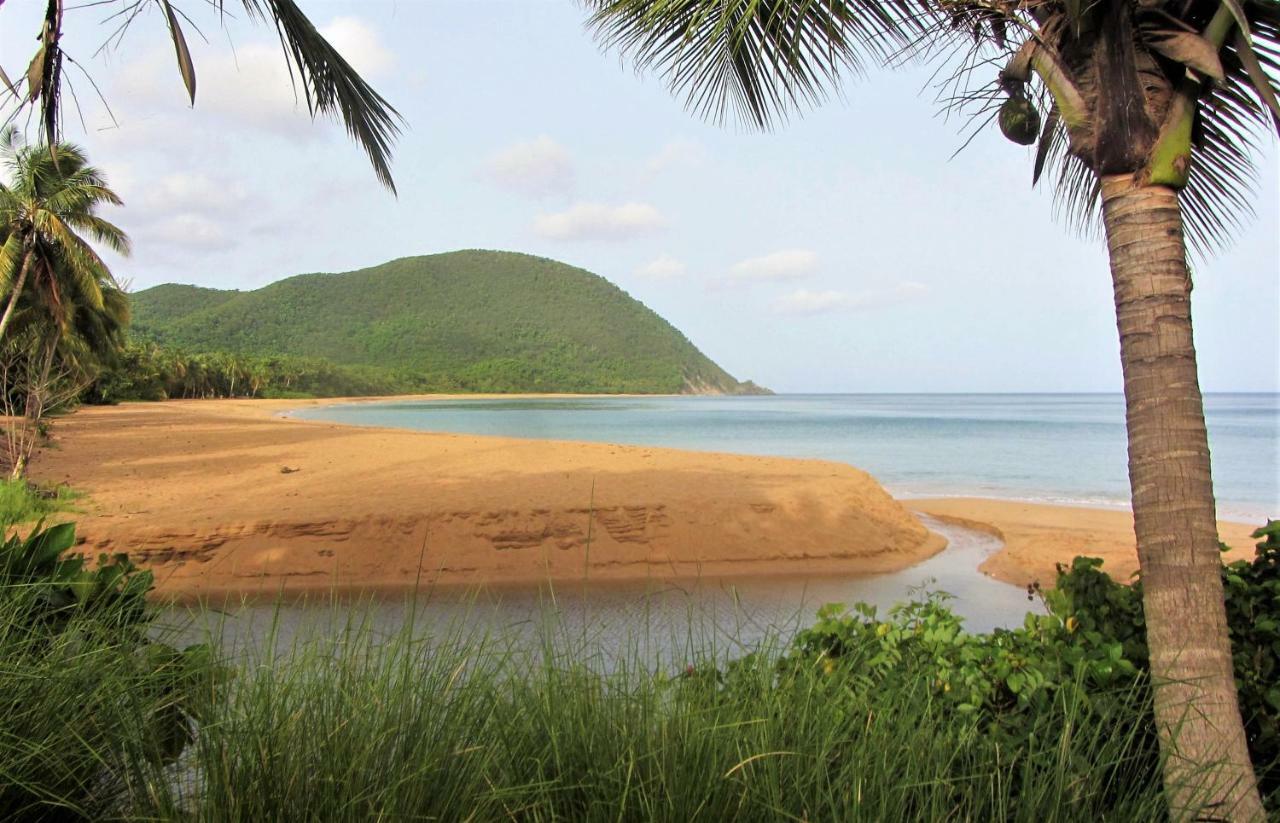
{"x":468,"y":320}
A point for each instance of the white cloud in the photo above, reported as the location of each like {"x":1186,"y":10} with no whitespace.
{"x":181,"y":211}
{"x":665,"y":267}
{"x":677,"y":154}
{"x":359,"y":45}
{"x":596,"y":221}
{"x":789,"y":264}
{"x":189,"y":231}
{"x":537,"y":168}
{"x":189,"y":192}
{"x":249,"y":85}
{"x":183,"y":173}
{"x":804,"y":301}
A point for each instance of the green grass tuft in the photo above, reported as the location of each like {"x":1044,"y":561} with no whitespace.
{"x":22,"y":502}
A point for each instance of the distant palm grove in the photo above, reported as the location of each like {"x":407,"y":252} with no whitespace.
{"x":467,"y":321}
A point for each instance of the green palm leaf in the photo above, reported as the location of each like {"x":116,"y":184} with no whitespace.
{"x":755,"y":60}
{"x":760,"y":61}
{"x":48,"y":214}
{"x":331,"y":85}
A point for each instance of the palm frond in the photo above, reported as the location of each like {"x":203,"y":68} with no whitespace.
{"x":78,"y":256}
{"x":331,"y":85}
{"x":101,"y":230}
{"x":755,"y":61}
{"x":10,"y":260}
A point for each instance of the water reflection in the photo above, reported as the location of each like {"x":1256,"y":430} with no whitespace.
{"x":669,"y":620}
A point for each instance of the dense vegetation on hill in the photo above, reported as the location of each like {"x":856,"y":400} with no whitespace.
{"x":464,"y":321}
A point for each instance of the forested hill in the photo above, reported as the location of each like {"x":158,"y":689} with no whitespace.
{"x":466,"y":320}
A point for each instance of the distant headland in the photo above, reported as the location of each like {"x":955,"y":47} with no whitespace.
{"x":464,"y":321}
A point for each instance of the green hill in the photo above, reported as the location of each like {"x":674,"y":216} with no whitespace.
{"x":466,"y":320}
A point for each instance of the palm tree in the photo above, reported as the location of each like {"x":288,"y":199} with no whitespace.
{"x":329,"y":83}
{"x":75,"y":335}
{"x":51,"y":199}
{"x":1152,"y":108}
{"x":61,"y":298}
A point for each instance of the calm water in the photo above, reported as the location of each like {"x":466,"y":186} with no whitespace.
{"x":666,"y":619}
{"x":1056,"y":448}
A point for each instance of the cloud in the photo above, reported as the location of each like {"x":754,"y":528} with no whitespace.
{"x":596,"y":221}
{"x":789,"y":264}
{"x":359,"y":45}
{"x":182,"y":211}
{"x":174,"y":166}
{"x":189,"y":231}
{"x":677,"y":154}
{"x":537,"y":168}
{"x":250,"y":86}
{"x":188,"y":192}
{"x":665,"y":267}
{"x":804,"y":301}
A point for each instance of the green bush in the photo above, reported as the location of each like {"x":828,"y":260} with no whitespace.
{"x":1090,"y":646}
{"x":1253,"y":615}
{"x":92,"y":708}
{"x":1252,"y":591}
{"x":859,"y":717}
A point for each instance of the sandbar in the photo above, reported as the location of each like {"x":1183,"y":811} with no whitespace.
{"x":1039,"y":536}
{"x":228,"y":498}
{"x":233,"y":498}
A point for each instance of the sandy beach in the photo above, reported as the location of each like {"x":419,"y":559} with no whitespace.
{"x":224,"y":497}
{"x":228,"y":497}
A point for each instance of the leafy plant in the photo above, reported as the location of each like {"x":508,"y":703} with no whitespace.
{"x":1091,"y":644}
{"x":1253,"y":617}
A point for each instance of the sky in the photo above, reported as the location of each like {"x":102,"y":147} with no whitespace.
{"x":851,"y":250}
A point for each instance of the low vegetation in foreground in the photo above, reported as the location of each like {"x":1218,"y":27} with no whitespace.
{"x":862,"y":716}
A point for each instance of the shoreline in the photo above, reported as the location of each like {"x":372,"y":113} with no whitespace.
{"x":226,"y":498}
{"x":1025,"y":529}
{"x":1234,"y":513}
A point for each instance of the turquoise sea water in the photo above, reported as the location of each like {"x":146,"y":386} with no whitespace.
{"x":1061,"y":448}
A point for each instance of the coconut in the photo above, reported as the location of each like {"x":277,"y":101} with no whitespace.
{"x":1020,"y":121}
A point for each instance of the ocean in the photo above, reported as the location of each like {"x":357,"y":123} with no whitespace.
{"x":1055,"y":448}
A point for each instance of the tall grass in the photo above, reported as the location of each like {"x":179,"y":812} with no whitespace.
{"x":76,"y":707}
{"x":353,"y":725}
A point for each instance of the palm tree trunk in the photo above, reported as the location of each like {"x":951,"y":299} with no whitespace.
{"x":17,"y":292}
{"x":34,"y":408}
{"x":1207,"y":770}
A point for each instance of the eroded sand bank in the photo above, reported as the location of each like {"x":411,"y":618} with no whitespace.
{"x":224,"y":497}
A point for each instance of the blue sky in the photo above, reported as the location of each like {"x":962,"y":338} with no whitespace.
{"x":847,"y":251}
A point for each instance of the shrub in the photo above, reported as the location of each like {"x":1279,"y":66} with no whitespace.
{"x":1090,"y":645}
{"x":1252,"y":591}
